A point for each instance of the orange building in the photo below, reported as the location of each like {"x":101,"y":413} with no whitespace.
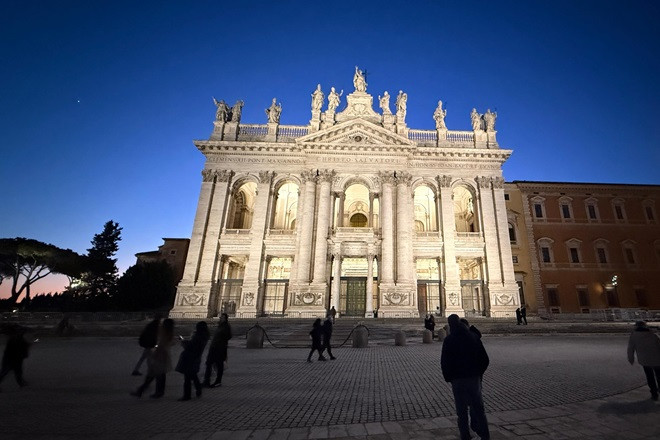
{"x":585,"y":247}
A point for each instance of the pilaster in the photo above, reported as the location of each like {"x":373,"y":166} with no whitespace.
{"x":369,"y":312}
{"x":452,"y":280}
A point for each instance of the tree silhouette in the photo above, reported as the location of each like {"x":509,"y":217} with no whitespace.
{"x":101,"y":277}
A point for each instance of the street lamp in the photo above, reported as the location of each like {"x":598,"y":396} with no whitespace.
{"x":615,"y":281}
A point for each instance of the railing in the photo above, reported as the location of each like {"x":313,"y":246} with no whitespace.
{"x":252,"y":130}
{"x":237,"y":231}
{"x":426,"y":233}
{"x":292,"y":131}
{"x":460,"y":136}
{"x":468,"y":235}
{"x":282,"y":232}
{"x":353,"y":230}
{"x":423,"y":135}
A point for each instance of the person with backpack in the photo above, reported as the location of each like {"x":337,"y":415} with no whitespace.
{"x":148,"y":340}
{"x":159,"y":362}
{"x":191,"y":360}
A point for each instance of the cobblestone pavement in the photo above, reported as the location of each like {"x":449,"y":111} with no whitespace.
{"x":537,"y":387}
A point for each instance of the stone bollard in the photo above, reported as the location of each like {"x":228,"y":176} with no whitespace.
{"x":360,"y":337}
{"x":255,"y":338}
{"x":400,"y":338}
{"x":442,"y":334}
{"x":427,"y":336}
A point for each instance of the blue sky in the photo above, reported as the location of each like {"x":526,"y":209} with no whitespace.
{"x":100,"y":100}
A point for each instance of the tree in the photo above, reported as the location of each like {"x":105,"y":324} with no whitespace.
{"x":101,"y":276}
{"x":146,"y":286}
{"x":24,"y":261}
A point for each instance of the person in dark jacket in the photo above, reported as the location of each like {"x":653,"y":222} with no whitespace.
{"x":464,"y":361}
{"x":16,"y":350}
{"x":646,"y":344}
{"x":327,"y":335}
{"x":159,"y":362}
{"x":523,"y":314}
{"x":148,"y":340}
{"x":518,"y":316}
{"x":472,"y":328}
{"x":317,"y":343}
{"x":218,"y":352}
{"x":191,"y":359}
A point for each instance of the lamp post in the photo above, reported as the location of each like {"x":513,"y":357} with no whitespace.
{"x":615,"y":282}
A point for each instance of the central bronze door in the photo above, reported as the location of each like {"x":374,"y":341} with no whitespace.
{"x":356,"y":296}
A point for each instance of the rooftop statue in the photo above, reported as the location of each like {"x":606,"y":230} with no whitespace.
{"x":274,"y":111}
{"x":385,"y":103}
{"x":489,"y":119}
{"x":333,"y":99}
{"x":317,"y":99}
{"x":439,"y":116}
{"x":223,"y":110}
{"x":475,"y":118}
{"x":358,"y":81}
{"x":401,"y":104}
{"x":236,"y":111}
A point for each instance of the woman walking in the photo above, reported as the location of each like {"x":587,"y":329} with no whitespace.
{"x":191,"y":359}
{"x":159,"y":362}
{"x":217,"y":352}
{"x":646,"y":344}
{"x":317,"y":344}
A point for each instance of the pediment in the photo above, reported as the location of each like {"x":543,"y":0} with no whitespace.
{"x":355,"y":132}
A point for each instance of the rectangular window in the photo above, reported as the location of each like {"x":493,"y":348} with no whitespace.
{"x":506,"y":196}
{"x":619,"y":212}
{"x":512,"y":234}
{"x":538,"y":210}
{"x":642,"y":301}
{"x":565,"y":211}
{"x":630,"y":256}
{"x":575,"y":257}
{"x":612,"y":298}
{"x":583,"y":298}
{"x":602,"y":256}
{"x":515,"y":259}
{"x":649,"y":213}
{"x":545,"y":252}
{"x":553,"y":297}
{"x":592,"y":212}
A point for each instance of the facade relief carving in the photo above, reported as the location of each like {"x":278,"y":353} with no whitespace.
{"x":266,"y":176}
{"x":192,"y":299}
{"x":497,"y":182}
{"x":326,"y":175}
{"x":386,"y":178}
{"x":444,"y":181}
{"x":306,"y":176}
{"x":403,"y":178}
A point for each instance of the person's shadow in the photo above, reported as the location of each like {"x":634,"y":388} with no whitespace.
{"x":624,"y":408}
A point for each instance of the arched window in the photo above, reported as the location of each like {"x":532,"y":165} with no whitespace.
{"x":358,"y":220}
{"x":356,"y":201}
{"x":425,"y":209}
{"x":465,"y":211}
{"x":242,"y":207}
{"x":286,"y":207}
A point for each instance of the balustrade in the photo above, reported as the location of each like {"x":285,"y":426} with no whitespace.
{"x":422,"y":135}
{"x":292,"y":131}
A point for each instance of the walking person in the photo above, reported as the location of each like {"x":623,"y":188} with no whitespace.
{"x":333,"y":313}
{"x":327,"y":335}
{"x":160,"y":361}
{"x":317,"y":343}
{"x":472,"y":328}
{"x":523,"y":313}
{"x":646,"y":344}
{"x":518,"y":316}
{"x":148,"y":340}
{"x":464,"y":361}
{"x":16,"y":351}
{"x":217,"y":354}
{"x":191,"y":359}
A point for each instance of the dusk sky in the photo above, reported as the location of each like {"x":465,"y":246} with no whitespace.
{"x":101,"y":99}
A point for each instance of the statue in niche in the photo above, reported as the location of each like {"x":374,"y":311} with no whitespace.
{"x":236,"y":111}
{"x":273,"y":112}
{"x":317,"y":99}
{"x":222,"y":110}
{"x":475,"y":117}
{"x":333,"y":99}
{"x":439,"y":116}
{"x":489,"y":120}
{"x":358,"y":81}
{"x":401,"y":104}
{"x":385,"y":103}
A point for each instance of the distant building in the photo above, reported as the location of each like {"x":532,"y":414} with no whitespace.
{"x":583,"y":247}
{"x":173,"y":250}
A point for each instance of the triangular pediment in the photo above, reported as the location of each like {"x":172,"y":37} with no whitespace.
{"x":355,"y":132}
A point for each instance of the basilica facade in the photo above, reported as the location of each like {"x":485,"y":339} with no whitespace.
{"x":354,"y":210}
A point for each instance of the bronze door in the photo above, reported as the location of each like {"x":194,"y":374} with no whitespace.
{"x":421,"y":298}
{"x":356,"y":296}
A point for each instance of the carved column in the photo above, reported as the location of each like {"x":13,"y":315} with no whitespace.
{"x":508,"y":298}
{"x":340,"y":217}
{"x":452,"y":277}
{"x":369,"y":312}
{"x":486,"y":208}
{"x":253,"y":268}
{"x":371,"y":210}
{"x":403,"y":228}
{"x":305,"y":249}
{"x":336,"y":280}
{"x":321,"y":253}
{"x":293,"y":276}
{"x":194,"y":289}
{"x":386,"y":219}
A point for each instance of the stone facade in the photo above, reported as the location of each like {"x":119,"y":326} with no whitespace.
{"x":354,"y":210}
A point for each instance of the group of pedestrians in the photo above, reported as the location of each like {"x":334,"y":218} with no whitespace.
{"x":321,"y":334}
{"x":157,"y":340}
{"x":521,"y":315}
